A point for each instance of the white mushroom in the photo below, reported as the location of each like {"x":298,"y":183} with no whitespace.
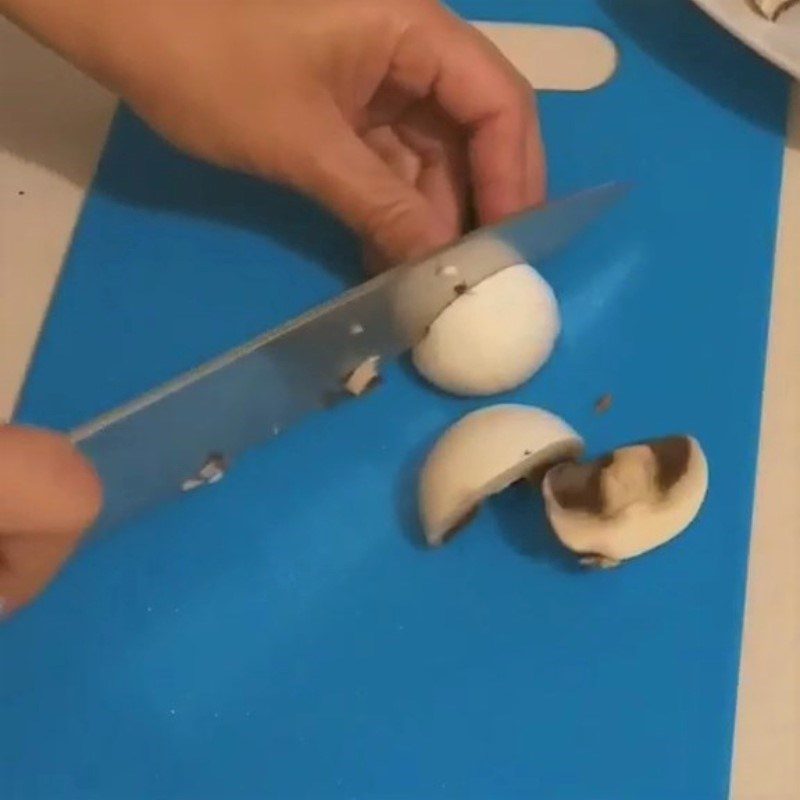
{"x":493,"y":337}
{"x":481,"y":455}
{"x":629,"y":502}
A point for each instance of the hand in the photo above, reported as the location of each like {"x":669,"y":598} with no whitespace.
{"x":397,"y":115}
{"x":49,"y":495}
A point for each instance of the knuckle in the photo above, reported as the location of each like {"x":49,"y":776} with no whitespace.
{"x":392,"y":226}
{"x":385,"y":216}
{"x":432,"y":151}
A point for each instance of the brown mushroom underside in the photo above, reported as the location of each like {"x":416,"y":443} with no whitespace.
{"x":579,"y":487}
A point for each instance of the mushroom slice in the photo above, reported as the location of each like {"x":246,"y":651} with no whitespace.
{"x":628,"y":502}
{"x":481,"y":455}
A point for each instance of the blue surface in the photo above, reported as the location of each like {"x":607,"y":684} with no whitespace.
{"x":283,"y":635}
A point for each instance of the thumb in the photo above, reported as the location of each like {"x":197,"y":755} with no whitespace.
{"x":49,"y":495}
{"x":390,"y":214}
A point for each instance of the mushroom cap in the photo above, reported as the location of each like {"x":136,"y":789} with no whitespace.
{"x":481,"y":455}
{"x":493,"y":337}
{"x":628,"y":502}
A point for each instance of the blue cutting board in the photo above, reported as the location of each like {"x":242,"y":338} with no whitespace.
{"x":284,"y":634}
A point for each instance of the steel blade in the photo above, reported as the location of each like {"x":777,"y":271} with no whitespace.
{"x":184,"y":434}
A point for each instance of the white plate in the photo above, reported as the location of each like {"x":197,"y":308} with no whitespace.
{"x":778,"y":41}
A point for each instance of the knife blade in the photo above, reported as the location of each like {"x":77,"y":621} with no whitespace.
{"x":184,"y":434}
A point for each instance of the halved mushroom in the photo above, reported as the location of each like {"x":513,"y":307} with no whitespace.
{"x":481,"y":455}
{"x":628,"y":502}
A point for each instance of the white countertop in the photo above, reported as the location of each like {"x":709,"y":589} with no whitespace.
{"x":53,"y":123}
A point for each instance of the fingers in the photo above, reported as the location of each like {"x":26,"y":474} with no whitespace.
{"x":535,"y":160}
{"x":365,"y":192}
{"x":505,"y":177}
{"x":505,"y":150}
{"x":479,"y":90}
{"x":49,"y":495}
{"x":424,"y":151}
{"x":405,"y":163}
{"x":403,"y":160}
{"x":28,"y":565}
{"x":443,"y":176}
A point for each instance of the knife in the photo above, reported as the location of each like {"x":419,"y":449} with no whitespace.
{"x":184,"y":434}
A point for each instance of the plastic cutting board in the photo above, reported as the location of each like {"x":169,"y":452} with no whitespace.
{"x":284,"y":635}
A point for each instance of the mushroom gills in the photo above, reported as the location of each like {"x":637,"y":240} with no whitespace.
{"x":628,"y":502}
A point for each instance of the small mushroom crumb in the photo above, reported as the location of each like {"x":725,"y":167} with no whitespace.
{"x":364,"y":377}
{"x":627,"y":502}
{"x":211,"y":472}
{"x":603,"y":404}
{"x":214,"y":470}
{"x":460,"y":288}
